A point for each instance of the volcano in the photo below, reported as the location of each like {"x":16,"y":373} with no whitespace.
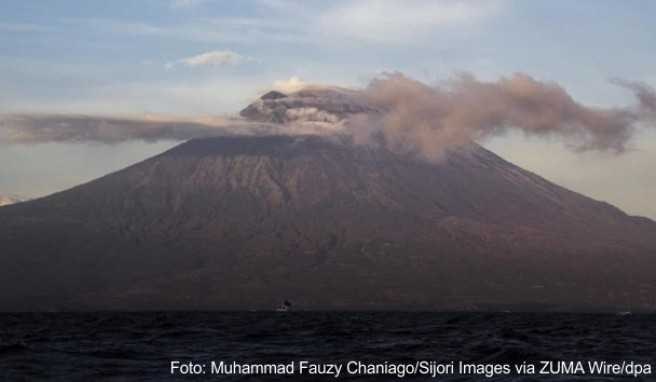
{"x":241,"y":223}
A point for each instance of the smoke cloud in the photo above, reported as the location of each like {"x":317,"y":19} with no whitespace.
{"x":645,"y":94}
{"x":428,"y":119}
{"x":398,"y":112}
{"x":79,"y":128}
{"x":34,"y":129}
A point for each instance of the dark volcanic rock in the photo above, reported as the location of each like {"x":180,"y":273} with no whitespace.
{"x":247,"y":222}
{"x":273,"y":95}
{"x":313,"y":104}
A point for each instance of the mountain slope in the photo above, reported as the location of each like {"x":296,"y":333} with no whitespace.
{"x":245,"y":222}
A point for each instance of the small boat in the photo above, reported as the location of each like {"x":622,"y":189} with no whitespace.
{"x":623,"y":313}
{"x":284,"y":307}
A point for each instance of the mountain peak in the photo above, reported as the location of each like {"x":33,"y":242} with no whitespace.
{"x":311,"y":104}
{"x":273,"y":94}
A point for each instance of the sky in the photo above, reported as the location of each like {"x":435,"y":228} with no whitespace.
{"x":213,"y":57}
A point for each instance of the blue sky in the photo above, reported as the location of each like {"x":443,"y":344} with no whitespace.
{"x":136,"y":57}
{"x":99,"y":56}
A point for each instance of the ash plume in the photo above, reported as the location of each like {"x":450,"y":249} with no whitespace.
{"x":644,"y":93}
{"x":38,"y":128}
{"x":396,"y":111}
{"x":66,"y":128}
{"x":429,"y":119}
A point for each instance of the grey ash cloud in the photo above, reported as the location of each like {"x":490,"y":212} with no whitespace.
{"x":40,"y":128}
{"x":394,"y":110}
{"x":644,"y":93}
{"x":429,"y":119}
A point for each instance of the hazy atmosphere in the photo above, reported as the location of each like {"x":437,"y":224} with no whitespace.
{"x":87,"y":88}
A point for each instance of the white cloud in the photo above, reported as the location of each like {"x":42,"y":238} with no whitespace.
{"x":211,"y":58}
{"x":390,"y":20}
{"x":291,"y":85}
